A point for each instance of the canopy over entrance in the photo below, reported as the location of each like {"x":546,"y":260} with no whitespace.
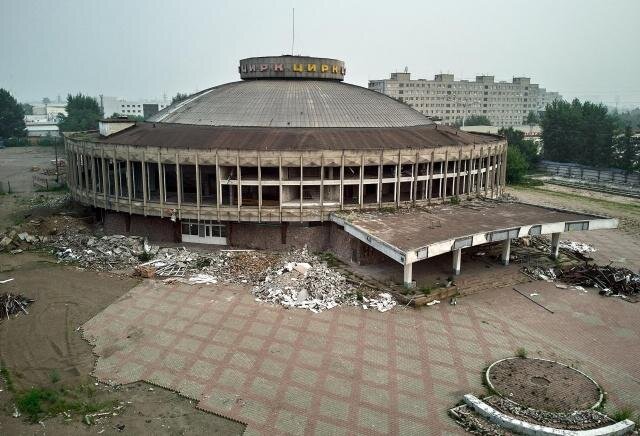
{"x":411,"y":235}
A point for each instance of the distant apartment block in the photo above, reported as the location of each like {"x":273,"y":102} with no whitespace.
{"x":140,"y":108}
{"x":504,"y":103}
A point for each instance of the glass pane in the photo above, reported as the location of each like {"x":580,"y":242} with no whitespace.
{"x":193,"y":229}
{"x":185,"y":229}
{"x":207,"y":230}
{"x":201,"y":230}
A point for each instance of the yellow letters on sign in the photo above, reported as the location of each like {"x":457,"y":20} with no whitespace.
{"x":334,"y":69}
{"x":311,"y":68}
{"x":324,"y":68}
{"x":298,"y":68}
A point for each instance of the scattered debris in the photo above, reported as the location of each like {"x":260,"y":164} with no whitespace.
{"x":2,"y":282}
{"x":13,"y":304}
{"x":611,"y":280}
{"x":539,"y":273}
{"x":431,"y":303}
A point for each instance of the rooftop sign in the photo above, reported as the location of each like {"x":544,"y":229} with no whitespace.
{"x":291,"y":67}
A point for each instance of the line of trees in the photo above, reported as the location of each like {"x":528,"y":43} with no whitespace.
{"x":588,"y":134}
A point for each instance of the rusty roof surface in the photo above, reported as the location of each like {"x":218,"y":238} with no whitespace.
{"x":294,"y":139}
{"x":410,"y":229}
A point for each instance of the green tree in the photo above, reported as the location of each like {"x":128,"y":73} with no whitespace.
{"x":27,"y":108}
{"x":516,"y":165}
{"x":578,"y":132}
{"x":11,"y":116}
{"x":46,"y":100}
{"x":532,"y":119}
{"x":474,"y":120}
{"x":627,"y":151}
{"x":83,"y":113}
{"x":527,"y":148}
{"x":179,"y":97}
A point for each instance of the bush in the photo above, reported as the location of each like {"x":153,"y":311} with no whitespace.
{"x":521,"y":352}
{"x":516,"y":166}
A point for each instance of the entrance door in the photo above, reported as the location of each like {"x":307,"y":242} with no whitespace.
{"x":204,"y":232}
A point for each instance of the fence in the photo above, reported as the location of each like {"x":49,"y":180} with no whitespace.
{"x":598,"y":175}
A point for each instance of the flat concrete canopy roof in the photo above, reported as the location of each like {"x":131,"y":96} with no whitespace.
{"x":410,"y":235}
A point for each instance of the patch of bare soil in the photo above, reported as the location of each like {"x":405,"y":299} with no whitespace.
{"x":543,"y":385}
{"x":45,"y":349}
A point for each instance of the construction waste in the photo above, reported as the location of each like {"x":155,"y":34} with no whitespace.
{"x":612,"y":281}
{"x":294,"y":279}
{"x":13,"y":304}
{"x":576,"y":247}
{"x":579,"y":249}
{"x":302,"y":280}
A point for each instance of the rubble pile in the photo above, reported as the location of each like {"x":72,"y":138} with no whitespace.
{"x":579,"y":249}
{"x":105,"y":253}
{"x":302,"y":280}
{"x":576,"y":420}
{"x":13,"y":304}
{"x":14,"y":241}
{"x":612,"y":281}
{"x":576,"y":247}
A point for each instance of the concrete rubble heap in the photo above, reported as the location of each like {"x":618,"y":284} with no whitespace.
{"x":302,"y":280}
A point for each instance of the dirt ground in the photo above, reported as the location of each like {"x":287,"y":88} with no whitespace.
{"x":17,"y":163}
{"x":34,"y":347}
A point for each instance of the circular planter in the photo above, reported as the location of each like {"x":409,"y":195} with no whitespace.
{"x":543,"y":384}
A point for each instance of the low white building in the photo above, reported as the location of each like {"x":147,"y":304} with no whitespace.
{"x":139,"y":108}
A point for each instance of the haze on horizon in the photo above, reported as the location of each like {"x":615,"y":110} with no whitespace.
{"x":147,"y":48}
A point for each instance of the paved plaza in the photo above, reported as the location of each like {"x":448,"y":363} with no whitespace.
{"x":355,"y":371}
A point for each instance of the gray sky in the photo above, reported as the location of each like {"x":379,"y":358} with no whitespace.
{"x":144,"y":48}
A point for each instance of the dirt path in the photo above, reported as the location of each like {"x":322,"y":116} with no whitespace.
{"x":45,"y":349}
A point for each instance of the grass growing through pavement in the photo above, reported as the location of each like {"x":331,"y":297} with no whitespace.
{"x":622,"y":414}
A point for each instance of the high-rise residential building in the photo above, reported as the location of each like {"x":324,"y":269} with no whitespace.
{"x":504,"y":103}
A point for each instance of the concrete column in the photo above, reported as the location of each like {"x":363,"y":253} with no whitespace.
{"x":408,"y":273}
{"x":361,"y":185}
{"x":446,"y":175}
{"x":506,"y":251}
{"x":479,"y":172}
{"x":430,"y":181}
{"x":259,"y":188}
{"x":219,"y":187}
{"x":555,"y":245}
{"x":129,"y":184}
{"x":322,"y":187}
{"x":198,"y":188}
{"x":457,"y":255}
{"x":379,"y":189}
{"x":93,"y":179}
{"x":398,"y":175}
{"x":145,"y":187}
{"x":105,"y":178}
{"x":341,"y":197}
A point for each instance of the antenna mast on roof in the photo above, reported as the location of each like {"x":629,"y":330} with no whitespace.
{"x":293,"y":29}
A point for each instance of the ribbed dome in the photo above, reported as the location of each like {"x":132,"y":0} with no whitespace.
{"x":291,"y":103}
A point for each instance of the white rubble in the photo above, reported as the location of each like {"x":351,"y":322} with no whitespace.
{"x":577,"y":247}
{"x":308,"y":283}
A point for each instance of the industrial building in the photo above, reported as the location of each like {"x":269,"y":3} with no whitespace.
{"x":276,"y":159}
{"x":505,"y":104}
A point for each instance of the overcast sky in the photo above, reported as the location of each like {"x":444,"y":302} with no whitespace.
{"x":144,"y":49}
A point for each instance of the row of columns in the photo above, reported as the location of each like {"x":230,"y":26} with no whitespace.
{"x":457,"y":258}
{"x":489,"y":177}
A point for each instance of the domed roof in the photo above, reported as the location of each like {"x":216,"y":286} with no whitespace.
{"x":291,"y":103}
